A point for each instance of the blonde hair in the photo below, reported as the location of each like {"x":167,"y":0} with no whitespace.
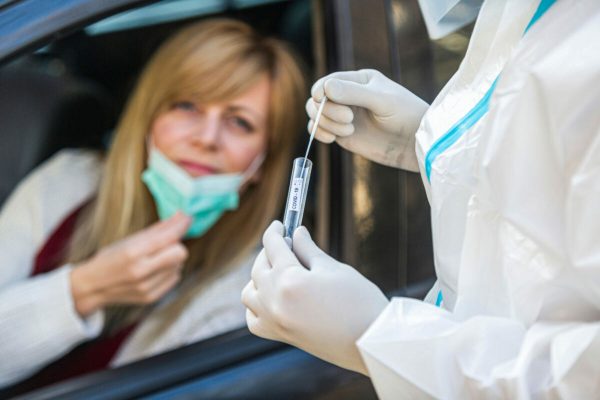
{"x":209,"y":61}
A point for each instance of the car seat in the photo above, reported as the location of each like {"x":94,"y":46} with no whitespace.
{"x":42,"y":111}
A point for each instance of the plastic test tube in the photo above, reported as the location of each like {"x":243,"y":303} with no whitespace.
{"x":296,"y":195}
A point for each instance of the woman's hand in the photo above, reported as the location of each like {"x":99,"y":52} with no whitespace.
{"x":309,"y":300}
{"x":368,"y":114}
{"x":139,"y":269}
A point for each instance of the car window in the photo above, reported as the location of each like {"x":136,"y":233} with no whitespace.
{"x":70,"y":92}
{"x":168,"y":11}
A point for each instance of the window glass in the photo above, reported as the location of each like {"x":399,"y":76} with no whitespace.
{"x":426,"y":65}
{"x":167,"y":11}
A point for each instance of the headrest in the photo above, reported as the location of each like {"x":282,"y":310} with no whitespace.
{"x":40,"y":113}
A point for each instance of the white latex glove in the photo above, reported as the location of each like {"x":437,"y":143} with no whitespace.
{"x":309,"y":300}
{"x":368,"y":114}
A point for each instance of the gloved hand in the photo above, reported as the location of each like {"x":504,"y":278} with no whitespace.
{"x":309,"y":300}
{"x":368,"y":114}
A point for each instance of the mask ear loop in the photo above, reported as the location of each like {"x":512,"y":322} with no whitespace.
{"x":149,"y":148}
{"x":252,"y":169}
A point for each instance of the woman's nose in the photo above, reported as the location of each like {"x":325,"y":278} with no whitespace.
{"x":208,"y":132}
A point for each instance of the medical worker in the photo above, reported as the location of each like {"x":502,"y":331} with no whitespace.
{"x":509,"y":153}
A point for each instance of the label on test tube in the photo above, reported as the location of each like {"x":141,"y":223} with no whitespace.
{"x":296,"y":194}
{"x":299,"y":182}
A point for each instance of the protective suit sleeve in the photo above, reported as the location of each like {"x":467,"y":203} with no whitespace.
{"x":416,"y":350}
{"x":38,"y":321}
{"x":526,"y":323}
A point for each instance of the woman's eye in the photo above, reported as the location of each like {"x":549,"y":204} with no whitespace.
{"x":242,"y":123}
{"x":184,"y":106}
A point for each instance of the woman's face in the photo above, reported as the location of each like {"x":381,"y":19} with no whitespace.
{"x":215,"y":138}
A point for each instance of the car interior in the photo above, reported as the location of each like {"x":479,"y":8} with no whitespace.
{"x":70,"y":92}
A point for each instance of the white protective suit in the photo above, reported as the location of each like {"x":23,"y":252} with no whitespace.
{"x":515,"y":206}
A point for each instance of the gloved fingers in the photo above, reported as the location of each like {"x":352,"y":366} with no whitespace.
{"x":332,"y":125}
{"x":318,"y":89}
{"x":251,"y":300}
{"x":277,"y":250}
{"x":260,"y":268}
{"x":249,"y":297}
{"x":307,"y":251}
{"x":321,"y":134}
{"x":356,"y":94}
{"x":254,"y":311}
{"x":333,"y":111}
{"x":336,"y":128}
{"x":254,"y":325}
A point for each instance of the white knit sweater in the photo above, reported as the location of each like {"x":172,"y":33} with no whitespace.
{"x":38,"y":322}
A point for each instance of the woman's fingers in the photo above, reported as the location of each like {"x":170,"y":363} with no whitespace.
{"x":137,"y":269}
{"x":144,"y":291}
{"x":145,"y":281}
{"x":161,"y":289}
{"x":124,"y":271}
{"x":172,"y":256}
{"x":157,"y":236}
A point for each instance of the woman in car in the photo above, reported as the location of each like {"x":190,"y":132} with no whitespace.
{"x":111,"y":259}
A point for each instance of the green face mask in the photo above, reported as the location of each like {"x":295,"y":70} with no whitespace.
{"x":205,"y":199}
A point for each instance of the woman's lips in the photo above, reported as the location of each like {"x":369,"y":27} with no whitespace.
{"x":197,"y":169}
